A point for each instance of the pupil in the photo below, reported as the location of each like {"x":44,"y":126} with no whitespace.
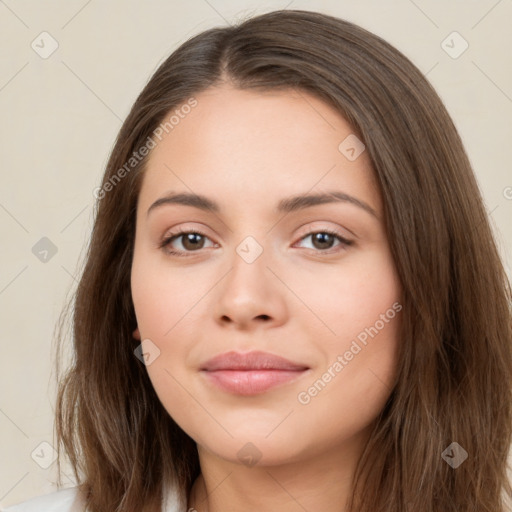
{"x":321,"y":238}
{"x":192,"y":238}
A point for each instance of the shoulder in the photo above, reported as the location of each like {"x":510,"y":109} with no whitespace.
{"x":69,"y":500}
{"x":58,"y":501}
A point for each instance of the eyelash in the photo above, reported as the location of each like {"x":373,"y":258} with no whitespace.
{"x":168,"y":239}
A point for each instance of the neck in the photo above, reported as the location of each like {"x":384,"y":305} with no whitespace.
{"x":319,"y":482}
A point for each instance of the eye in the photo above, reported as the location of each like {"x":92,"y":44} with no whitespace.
{"x":193,"y":241}
{"x":323,"y":240}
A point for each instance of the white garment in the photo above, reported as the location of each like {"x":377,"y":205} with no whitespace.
{"x":58,"y":501}
{"x":67,"y":500}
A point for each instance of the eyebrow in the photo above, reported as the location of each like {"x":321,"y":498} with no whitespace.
{"x":287,"y":205}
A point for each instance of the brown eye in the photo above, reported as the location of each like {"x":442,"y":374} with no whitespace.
{"x":324,"y":240}
{"x":191,"y":241}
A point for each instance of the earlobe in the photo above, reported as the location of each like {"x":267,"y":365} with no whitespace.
{"x":136,"y":334}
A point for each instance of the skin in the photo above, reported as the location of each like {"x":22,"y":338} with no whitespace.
{"x":303,"y":301}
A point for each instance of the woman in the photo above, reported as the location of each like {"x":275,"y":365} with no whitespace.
{"x":292,"y":298}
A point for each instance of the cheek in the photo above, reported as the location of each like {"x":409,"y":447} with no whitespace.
{"x":362,"y":309}
{"x":171,"y":385}
{"x":164,"y":297}
{"x":346,"y":395}
{"x":164,"y":300}
{"x":348,"y":301}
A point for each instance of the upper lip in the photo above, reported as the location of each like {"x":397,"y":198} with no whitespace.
{"x":255,"y":360}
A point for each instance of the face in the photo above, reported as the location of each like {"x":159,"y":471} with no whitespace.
{"x":254,"y":275}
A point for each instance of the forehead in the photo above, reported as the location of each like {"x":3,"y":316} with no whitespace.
{"x":252,"y":145}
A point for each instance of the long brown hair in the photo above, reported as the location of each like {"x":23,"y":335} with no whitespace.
{"x":455,"y":357}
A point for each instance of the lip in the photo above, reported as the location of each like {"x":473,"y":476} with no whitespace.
{"x":251,"y":373}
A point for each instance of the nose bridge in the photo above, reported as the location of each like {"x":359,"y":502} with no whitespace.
{"x":252,"y":238}
{"x":249,"y":265}
{"x":251,"y":249}
{"x":250,"y":290}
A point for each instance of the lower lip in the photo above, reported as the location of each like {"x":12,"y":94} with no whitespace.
{"x":251,"y":382}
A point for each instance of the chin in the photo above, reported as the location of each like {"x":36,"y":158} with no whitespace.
{"x":254,"y":450}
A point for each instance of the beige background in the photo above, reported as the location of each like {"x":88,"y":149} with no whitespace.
{"x":60,"y":116}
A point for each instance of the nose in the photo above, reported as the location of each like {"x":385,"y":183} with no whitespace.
{"x":250,"y":296}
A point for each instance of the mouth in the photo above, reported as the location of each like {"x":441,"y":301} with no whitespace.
{"x":251,"y":373}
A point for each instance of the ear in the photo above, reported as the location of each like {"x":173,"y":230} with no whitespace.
{"x":136,"y":334}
